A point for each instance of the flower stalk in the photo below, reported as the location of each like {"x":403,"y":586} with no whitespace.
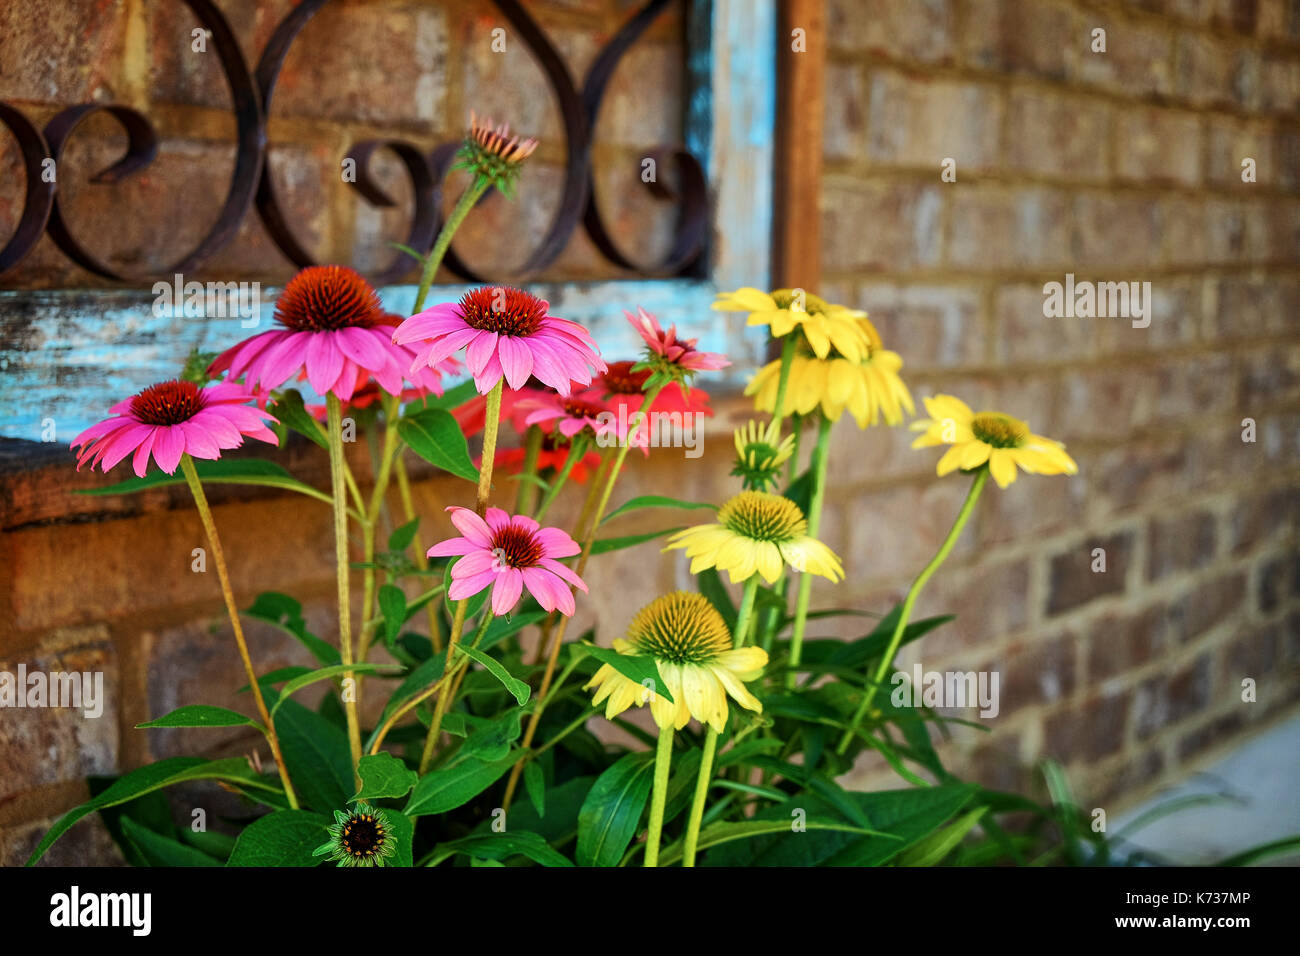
{"x":228,"y":594}
{"x":705,"y":777}
{"x":338,"y":467}
{"x":821,"y":456}
{"x":887,"y":660}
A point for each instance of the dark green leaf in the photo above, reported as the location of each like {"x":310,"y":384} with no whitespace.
{"x":290,"y":410}
{"x":318,"y":757}
{"x":634,"y":667}
{"x":605,"y":545}
{"x":453,"y":786}
{"x":434,"y":435}
{"x":223,"y":471}
{"x":383,"y":776}
{"x":402,"y":537}
{"x":158,"y":850}
{"x":282,"y":838}
{"x":285,"y":613}
{"x":655,"y":501}
{"x":611,"y":814}
{"x":200,"y":715}
{"x":518,"y":688}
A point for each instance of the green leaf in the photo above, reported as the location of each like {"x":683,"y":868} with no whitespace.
{"x":454,"y":786}
{"x":491,"y":737}
{"x":518,"y":688}
{"x":392,"y":605}
{"x":634,"y":667}
{"x":282,"y":838}
{"x":317,"y":755}
{"x":324,"y":673}
{"x":939,"y":844}
{"x":290,"y":410}
{"x":158,"y":850}
{"x":535,"y":786}
{"x":383,"y":776}
{"x":402,"y":537}
{"x":502,"y":846}
{"x":611,"y":814}
{"x":223,"y":471}
{"x":434,"y":435}
{"x":453,"y":397}
{"x":1261,"y":852}
{"x":282,"y":611}
{"x":155,"y":776}
{"x":655,"y":501}
{"x":605,"y":545}
{"x":404,"y":835}
{"x":200,"y":715}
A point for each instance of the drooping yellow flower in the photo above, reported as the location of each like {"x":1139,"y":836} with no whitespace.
{"x":691,"y":646}
{"x":760,"y":453}
{"x":825,"y":326}
{"x":999,"y":440}
{"x":757,"y":532}
{"x":868,"y":389}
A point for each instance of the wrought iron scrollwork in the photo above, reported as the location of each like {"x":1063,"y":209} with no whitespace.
{"x":252,"y":183}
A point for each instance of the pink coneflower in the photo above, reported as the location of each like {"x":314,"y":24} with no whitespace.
{"x":334,"y":330}
{"x":505,"y":332}
{"x":510,"y":553}
{"x":170,"y":419}
{"x":669,"y":348}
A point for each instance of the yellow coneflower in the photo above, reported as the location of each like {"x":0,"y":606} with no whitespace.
{"x":690,"y":644}
{"x":757,"y":532}
{"x":999,"y":440}
{"x":825,"y":326}
{"x":760,"y":453}
{"x":867,"y":389}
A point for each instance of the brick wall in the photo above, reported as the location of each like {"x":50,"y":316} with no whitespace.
{"x":1123,"y":165}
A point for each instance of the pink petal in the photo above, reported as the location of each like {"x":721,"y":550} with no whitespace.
{"x":450,"y":547}
{"x":472,"y":526}
{"x":506,"y":593}
{"x":516,"y":361}
{"x":560,"y":570}
{"x":168,"y":446}
{"x":324,"y":361}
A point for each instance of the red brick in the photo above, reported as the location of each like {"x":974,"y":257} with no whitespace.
{"x":1253,"y":654}
{"x":1024,"y":36}
{"x":65,"y":52}
{"x":916,"y":121}
{"x":1209,"y":603}
{"x":844,"y":134}
{"x":1090,"y":730}
{"x":1210,"y":734}
{"x":1159,"y":146}
{"x":1117,"y":232}
{"x":922,"y":30}
{"x":1166,"y":700}
{"x":1214,"y":73}
{"x":1138,"y":61}
{"x":1261,"y":518}
{"x":929,"y":326}
{"x":1277,"y":579}
{"x":1120,"y":642}
{"x":997,"y":227}
{"x":1134,"y":473}
{"x":1269,"y":377}
{"x":1229,"y":141}
{"x":48,"y":745}
{"x":1182,"y":542}
{"x":1037,"y":672}
{"x":1280,"y":83}
{"x":1071,"y":580}
{"x":1024,"y":335}
{"x":991,"y":601}
{"x":880,"y":224}
{"x":1050,"y":134}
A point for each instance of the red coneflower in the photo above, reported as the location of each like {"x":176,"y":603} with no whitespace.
{"x":171,"y":419}
{"x":335,"y":332}
{"x":505,"y":333}
{"x":623,"y":386}
{"x":669,"y":349}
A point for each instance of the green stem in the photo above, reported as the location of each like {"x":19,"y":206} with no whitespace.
{"x":557,"y":639}
{"x":527,"y":489}
{"x":228,"y":594}
{"x":659,"y":796}
{"x":887,"y":661}
{"x":463,"y":205}
{"x":377,"y":493}
{"x":337,"y":468}
{"x":577,"y":449}
{"x":820,"y":458}
{"x":491,"y":425}
{"x":743,"y":616}
{"x":440,"y":708}
{"x":783,"y":382}
{"x":408,"y":507}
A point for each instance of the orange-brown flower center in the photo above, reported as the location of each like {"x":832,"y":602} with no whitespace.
{"x":328,"y":298}
{"x":516,"y":547}
{"x":621,"y":380}
{"x":578,"y":408}
{"x":167,"y":403}
{"x":502,"y":310}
